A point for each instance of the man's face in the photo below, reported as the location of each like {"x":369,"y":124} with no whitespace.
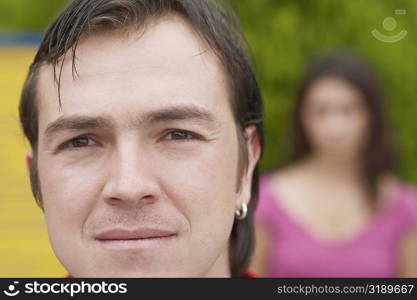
{"x":138,"y":170}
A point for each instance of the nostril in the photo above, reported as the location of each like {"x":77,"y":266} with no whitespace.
{"x":114,"y":201}
{"x":148,"y":199}
{"x":131,"y":200}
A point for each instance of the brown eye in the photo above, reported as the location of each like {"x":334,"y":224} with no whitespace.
{"x":80,"y":142}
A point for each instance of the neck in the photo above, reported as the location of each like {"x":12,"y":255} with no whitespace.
{"x":221,"y":268}
{"x":336,"y":165}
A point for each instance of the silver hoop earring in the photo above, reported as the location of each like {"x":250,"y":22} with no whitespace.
{"x":241,"y":213}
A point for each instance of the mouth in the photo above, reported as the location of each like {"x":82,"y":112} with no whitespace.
{"x":140,"y":239}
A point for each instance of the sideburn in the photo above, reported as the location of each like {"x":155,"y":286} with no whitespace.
{"x":34,"y":178}
{"x":243,"y":159}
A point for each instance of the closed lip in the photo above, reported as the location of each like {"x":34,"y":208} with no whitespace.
{"x":143,"y":233}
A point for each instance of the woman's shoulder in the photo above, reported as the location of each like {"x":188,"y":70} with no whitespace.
{"x":409,"y":196}
{"x":281,"y":188}
{"x":409,"y":187}
{"x":290,"y":183}
{"x":271,"y":188}
{"x":406,"y":197}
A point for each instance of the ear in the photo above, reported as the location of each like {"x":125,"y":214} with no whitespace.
{"x":254,"y":152}
{"x":29,"y":160}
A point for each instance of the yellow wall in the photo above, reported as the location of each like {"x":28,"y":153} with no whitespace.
{"x":24,"y":245}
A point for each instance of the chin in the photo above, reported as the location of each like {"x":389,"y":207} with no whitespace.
{"x":117,"y":272}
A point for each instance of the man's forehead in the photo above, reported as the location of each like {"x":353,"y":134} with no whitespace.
{"x":167,"y":41}
{"x":167,"y":63}
{"x":168,"y":46}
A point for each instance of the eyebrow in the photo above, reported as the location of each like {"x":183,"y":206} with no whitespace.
{"x":175,"y":113}
{"x":76,"y":123}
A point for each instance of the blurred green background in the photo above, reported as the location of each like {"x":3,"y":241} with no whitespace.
{"x":283,"y":36}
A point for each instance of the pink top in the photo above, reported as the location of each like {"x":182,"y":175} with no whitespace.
{"x":293,"y":252}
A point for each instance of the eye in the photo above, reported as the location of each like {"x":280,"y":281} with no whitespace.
{"x":182,"y":135}
{"x":79,"y":142}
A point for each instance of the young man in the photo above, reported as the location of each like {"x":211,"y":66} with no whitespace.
{"x":145,"y":122}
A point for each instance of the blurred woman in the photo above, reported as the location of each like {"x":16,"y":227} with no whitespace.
{"x":338,"y":209}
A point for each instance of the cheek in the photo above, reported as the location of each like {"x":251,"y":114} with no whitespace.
{"x":362,"y":125}
{"x":357,"y":129}
{"x":315,"y":130}
{"x":203,"y":188}
{"x":67,"y":193}
{"x":208,"y":179}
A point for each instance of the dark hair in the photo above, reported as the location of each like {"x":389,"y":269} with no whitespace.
{"x":215,"y":23}
{"x":378,"y":156}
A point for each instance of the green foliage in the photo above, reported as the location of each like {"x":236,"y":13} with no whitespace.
{"x":284,"y":35}
{"x":28,"y":15}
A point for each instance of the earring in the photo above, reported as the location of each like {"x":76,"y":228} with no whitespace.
{"x":241,"y":213}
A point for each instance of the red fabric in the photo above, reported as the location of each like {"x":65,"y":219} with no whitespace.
{"x":249,"y":274}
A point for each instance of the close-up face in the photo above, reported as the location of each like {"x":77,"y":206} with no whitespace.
{"x":139,"y":168}
{"x":335,"y":118}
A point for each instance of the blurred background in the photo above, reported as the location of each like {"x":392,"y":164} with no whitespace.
{"x":283,"y":36}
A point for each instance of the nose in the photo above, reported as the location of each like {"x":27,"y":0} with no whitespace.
{"x":336,"y":125}
{"x":131,"y":178}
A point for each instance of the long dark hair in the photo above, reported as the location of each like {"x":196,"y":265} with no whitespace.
{"x":378,"y":156}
